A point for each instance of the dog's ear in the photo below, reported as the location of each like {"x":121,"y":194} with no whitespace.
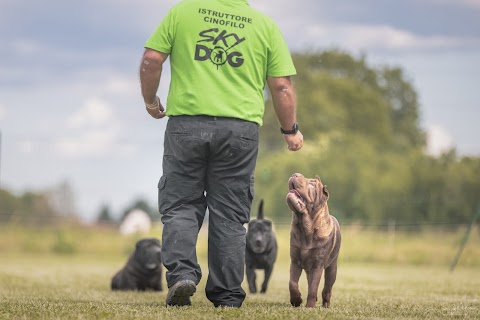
{"x":325,"y":192}
{"x":268,"y":223}
{"x":139,"y":243}
{"x":260,"y":210}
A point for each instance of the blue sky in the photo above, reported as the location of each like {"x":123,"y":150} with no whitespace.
{"x":71,"y":110}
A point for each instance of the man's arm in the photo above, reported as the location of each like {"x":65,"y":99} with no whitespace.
{"x":150,"y":73}
{"x":285,"y":105}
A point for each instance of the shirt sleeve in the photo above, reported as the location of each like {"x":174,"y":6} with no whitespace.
{"x":280,"y":62}
{"x":163,"y":37}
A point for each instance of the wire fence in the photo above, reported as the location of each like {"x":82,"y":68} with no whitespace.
{"x":7,"y":219}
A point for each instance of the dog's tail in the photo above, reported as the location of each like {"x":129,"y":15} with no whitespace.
{"x":260,"y":210}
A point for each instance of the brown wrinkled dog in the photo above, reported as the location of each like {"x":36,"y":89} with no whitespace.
{"x":314,"y":239}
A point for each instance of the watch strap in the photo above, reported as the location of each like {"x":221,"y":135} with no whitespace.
{"x":294,"y":129}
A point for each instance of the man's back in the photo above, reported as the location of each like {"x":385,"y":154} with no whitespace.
{"x":221,"y":52}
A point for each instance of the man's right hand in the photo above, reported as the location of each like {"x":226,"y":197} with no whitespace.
{"x":156,"y":109}
{"x":294,"y":141}
{"x":157,"y":113}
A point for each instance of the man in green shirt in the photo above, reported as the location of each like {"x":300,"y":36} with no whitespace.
{"x":222,"y":54}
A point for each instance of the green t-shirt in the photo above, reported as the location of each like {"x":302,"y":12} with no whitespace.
{"x":221,"y":52}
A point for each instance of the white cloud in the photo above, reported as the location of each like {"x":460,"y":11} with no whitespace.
{"x":3,"y":112}
{"x":438,"y":140}
{"x":91,"y":143}
{"x":94,"y":130}
{"x":94,"y":143}
{"x":27,"y":147}
{"x":471,"y":3}
{"x":94,"y":113}
{"x":23,"y":46}
{"x":122,"y":85}
{"x":369,"y":37}
{"x":467,"y":3}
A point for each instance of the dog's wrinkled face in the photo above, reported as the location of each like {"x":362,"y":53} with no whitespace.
{"x":258,"y":235}
{"x":148,"y":253}
{"x":306,"y":195}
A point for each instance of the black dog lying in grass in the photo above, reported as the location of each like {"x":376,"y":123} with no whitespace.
{"x":143,"y":269}
{"x":261,"y":250}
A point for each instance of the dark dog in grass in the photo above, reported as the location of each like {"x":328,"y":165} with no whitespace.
{"x":314,"y":239}
{"x":261,"y":250}
{"x":143,"y":270}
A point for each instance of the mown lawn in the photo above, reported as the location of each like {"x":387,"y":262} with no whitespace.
{"x":36,"y":283}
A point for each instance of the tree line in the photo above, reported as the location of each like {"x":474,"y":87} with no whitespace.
{"x":363,"y":137}
{"x":56,"y":205}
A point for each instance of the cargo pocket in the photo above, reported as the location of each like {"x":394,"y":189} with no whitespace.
{"x":161,"y":192}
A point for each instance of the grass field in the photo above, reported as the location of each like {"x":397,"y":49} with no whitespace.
{"x":65,"y":274}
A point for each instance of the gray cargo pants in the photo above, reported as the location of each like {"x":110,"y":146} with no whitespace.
{"x":207,"y":162}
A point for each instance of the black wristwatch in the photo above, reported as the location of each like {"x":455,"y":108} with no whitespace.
{"x":293,"y":131}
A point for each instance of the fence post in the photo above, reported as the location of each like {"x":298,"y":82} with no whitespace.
{"x":464,"y":241}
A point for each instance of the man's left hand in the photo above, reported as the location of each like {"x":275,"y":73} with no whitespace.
{"x":294,"y":141}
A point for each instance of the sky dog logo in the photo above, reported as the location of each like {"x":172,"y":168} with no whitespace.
{"x":220,"y":50}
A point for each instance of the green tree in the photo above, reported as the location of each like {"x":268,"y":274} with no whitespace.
{"x":447,"y":188}
{"x":105,"y":215}
{"x":342,"y":95}
{"x":8,"y":205}
{"x":28,"y":208}
{"x":363,"y":138}
{"x":404,"y":104}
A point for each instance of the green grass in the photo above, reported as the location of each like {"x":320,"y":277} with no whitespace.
{"x":378,"y":278}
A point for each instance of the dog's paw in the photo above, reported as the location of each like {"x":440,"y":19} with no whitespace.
{"x":296,"y":301}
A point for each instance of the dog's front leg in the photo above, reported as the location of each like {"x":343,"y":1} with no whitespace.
{"x":268,"y":273}
{"x":295,"y":295}
{"x":330,"y":277}
{"x":251,"y":279}
{"x":313,"y":279}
